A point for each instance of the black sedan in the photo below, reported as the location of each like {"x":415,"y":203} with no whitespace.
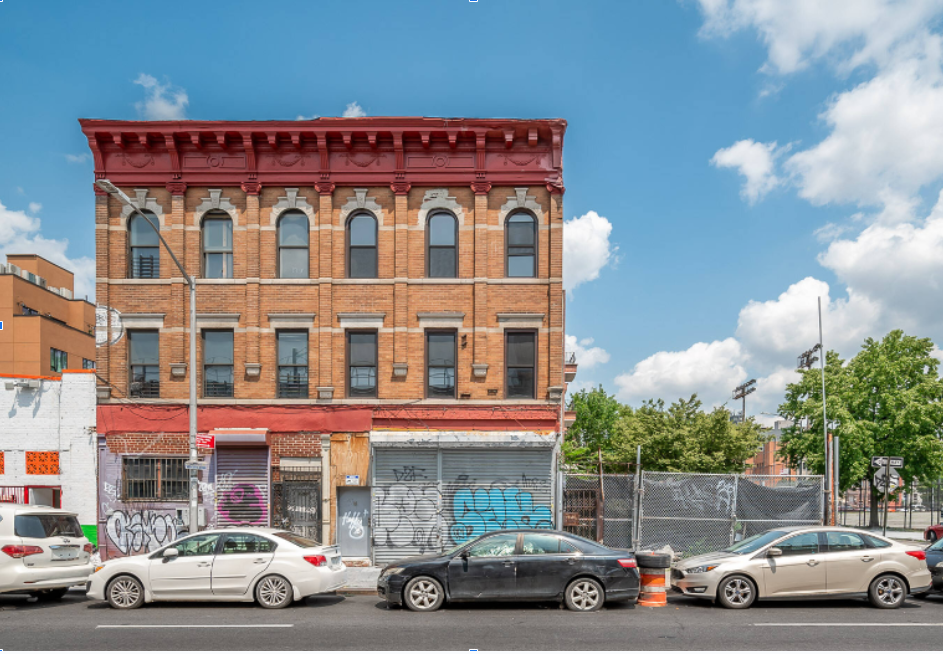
{"x":514,"y":565}
{"x":935,"y":563}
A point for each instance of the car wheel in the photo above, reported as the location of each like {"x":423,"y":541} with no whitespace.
{"x":932,"y":537}
{"x":125,"y":592}
{"x":50,"y":594}
{"x":423,"y":594}
{"x":274,"y":592}
{"x":887,"y":592}
{"x":737,"y":592}
{"x":584,"y":595}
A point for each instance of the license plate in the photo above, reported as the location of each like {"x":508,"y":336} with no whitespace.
{"x":65,"y":553}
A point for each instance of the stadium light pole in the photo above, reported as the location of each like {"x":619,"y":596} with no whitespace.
{"x":123,"y":198}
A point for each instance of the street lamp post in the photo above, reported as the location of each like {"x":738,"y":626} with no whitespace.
{"x":116,"y":193}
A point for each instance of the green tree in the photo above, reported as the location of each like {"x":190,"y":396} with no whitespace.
{"x":685,"y":438}
{"x":888,"y":400}
{"x":596,"y":416}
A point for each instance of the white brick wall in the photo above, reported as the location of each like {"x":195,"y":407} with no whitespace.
{"x":57,"y":417}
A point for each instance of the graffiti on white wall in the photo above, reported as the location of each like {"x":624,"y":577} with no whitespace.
{"x":136,"y":532}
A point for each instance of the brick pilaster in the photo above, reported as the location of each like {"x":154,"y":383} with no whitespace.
{"x":401,"y":289}
{"x":482,"y":237}
{"x":325,"y":317}
{"x":253,"y":235}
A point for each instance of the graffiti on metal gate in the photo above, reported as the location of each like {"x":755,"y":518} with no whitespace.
{"x":243,"y":504}
{"x":407,"y":515}
{"x":134,"y":532}
{"x":476,"y":511}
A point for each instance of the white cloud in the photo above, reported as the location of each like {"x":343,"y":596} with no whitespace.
{"x":777,"y":331}
{"x":886,"y":141}
{"x":311,"y":117}
{"x":35,"y":207}
{"x":756,"y":162}
{"x":19,"y":233}
{"x":77,"y":158}
{"x":161,"y":101}
{"x":709,"y":369}
{"x":899,"y":266}
{"x":354,"y":110}
{"x":938,"y":353}
{"x":799,"y":32}
{"x":586,"y":249}
{"x":587,"y":355}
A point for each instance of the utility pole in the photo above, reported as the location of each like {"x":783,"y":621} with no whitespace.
{"x":829,"y":482}
{"x":122,"y":197}
{"x":741,"y":392}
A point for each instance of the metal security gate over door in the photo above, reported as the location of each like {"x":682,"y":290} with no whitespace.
{"x":298,"y":502}
{"x":405,"y":503}
{"x":427,"y":500}
{"x":353,"y":521}
{"x":242,"y":486}
{"x":486,"y":490}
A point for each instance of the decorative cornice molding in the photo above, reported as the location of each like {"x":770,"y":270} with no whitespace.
{"x":325,"y":188}
{"x":359,"y":202}
{"x":400,"y":187}
{"x":481,"y":188}
{"x":145,"y":202}
{"x":176,"y":188}
{"x":215,"y":203}
{"x":290,"y":201}
{"x":520,"y":200}
{"x":252,"y":188}
{"x":439,"y":198}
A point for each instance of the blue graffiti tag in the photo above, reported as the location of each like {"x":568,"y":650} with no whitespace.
{"x":478,"y":511}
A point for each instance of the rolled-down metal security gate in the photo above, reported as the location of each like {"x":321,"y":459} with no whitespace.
{"x":427,"y":500}
{"x":242,"y":479}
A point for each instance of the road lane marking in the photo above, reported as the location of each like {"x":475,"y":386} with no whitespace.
{"x":194,"y":626}
{"x":848,"y":624}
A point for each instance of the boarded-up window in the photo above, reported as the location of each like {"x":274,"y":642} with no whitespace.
{"x":42,"y":463}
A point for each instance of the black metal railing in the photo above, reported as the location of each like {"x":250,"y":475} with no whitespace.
{"x":292,"y":383}
{"x":217,"y":389}
{"x":569,"y":358}
{"x":145,"y":267}
{"x":145,"y":389}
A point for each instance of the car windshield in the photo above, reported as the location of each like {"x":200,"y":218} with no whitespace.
{"x":753,"y":543}
{"x":937,"y":546}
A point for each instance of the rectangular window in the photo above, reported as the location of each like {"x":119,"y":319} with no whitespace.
{"x":362,"y":364}
{"x":145,"y":263}
{"x":520,"y":357}
{"x":217,"y":364}
{"x":292,"y":364}
{"x":154,"y":479}
{"x":58,"y":360}
{"x":217,"y":247}
{"x":88,"y":364}
{"x":144,"y":363}
{"x":440,"y":364}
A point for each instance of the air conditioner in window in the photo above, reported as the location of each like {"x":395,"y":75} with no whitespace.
{"x":13,"y":269}
{"x":41,"y":282}
{"x":66,"y":293}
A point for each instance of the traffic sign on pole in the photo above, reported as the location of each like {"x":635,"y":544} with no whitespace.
{"x":881,"y":477}
{"x":882,"y":461}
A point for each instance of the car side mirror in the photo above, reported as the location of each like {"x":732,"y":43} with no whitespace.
{"x":171,"y":552}
{"x":774,"y":551}
{"x":464,"y":555}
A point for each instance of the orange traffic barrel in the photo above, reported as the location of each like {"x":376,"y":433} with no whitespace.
{"x":652,"y":566}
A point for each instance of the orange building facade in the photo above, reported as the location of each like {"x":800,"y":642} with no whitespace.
{"x":45,"y":329}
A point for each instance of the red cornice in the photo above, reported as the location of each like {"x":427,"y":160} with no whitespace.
{"x":374,"y":151}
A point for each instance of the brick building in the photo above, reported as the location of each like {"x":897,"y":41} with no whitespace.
{"x":48,"y":445}
{"x":381,"y":313}
{"x":43,"y":328}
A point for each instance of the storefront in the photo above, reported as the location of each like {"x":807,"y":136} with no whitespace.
{"x":433,"y":490}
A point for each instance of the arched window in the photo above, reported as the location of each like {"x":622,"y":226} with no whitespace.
{"x":362,"y":246}
{"x":442,"y":239}
{"x":521,"y":259}
{"x":145,"y":246}
{"x":217,"y":246}
{"x":293,"y":245}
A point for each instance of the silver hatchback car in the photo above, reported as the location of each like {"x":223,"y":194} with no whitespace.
{"x":814,"y":562}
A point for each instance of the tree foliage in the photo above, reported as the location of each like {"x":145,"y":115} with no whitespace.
{"x":888,"y":400}
{"x":682,"y":437}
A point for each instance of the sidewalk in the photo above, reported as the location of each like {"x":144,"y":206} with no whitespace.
{"x":361,"y":579}
{"x":911,"y":536}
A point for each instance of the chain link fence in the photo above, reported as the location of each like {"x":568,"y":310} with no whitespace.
{"x":600,"y":508}
{"x":916,"y":506}
{"x":690,"y":512}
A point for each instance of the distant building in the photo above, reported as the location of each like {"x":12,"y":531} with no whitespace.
{"x":44,"y":329}
{"x":48,"y":444}
{"x":768,"y":460}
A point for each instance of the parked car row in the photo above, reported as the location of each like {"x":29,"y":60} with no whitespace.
{"x":46,"y":553}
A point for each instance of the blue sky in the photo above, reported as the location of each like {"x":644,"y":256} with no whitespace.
{"x":742,"y":157}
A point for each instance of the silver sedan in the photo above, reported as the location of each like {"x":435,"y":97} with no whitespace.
{"x":814,"y":562}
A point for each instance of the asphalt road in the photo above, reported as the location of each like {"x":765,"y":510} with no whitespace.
{"x":364,"y":622}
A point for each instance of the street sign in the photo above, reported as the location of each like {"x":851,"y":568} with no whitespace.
{"x":206,"y":441}
{"x":196,"y":465}
{"x":880,"y":478}
{"x":881,"y":461}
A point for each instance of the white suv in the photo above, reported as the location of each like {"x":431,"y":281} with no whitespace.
{"x":42,"y":551}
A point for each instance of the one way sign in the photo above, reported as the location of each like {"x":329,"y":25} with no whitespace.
{"x":881,"y":461}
